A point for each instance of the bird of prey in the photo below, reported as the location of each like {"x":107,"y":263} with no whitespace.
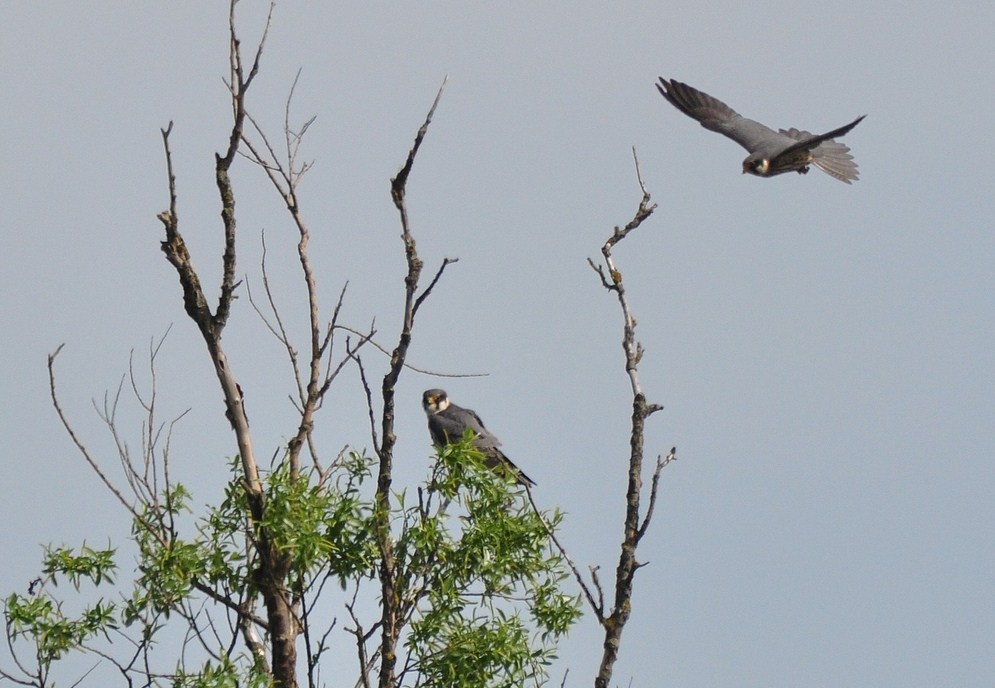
{"x":771,"y":152}
{"x":447,"y":423}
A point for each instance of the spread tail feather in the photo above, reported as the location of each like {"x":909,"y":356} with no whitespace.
{"x":832,"y":157}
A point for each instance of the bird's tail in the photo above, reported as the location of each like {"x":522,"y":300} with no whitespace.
{"x":496,"y":460}
{"x":831,"y":156}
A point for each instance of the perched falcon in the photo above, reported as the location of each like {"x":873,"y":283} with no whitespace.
{"x":447,"y":423}
{"x":771,"y":152}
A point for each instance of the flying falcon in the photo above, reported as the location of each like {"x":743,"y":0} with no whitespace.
{"x":771,"y":152}
{"x":447,"y":423}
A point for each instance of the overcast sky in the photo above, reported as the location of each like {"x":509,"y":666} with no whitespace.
{"x":823,"y":351}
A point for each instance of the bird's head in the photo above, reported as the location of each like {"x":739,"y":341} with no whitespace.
{"x":756,"y":164}
{"x":434,"y":401}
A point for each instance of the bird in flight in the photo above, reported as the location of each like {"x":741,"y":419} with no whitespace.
{"x":447,"y":423}
{"x":771,"y":152}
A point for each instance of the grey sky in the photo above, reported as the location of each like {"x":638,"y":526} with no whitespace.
{"x":823,"y":351}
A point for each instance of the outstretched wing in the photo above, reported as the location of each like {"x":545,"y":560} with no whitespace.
{"x":807,"y":141}
{"x":832,"y":157}
{"x":717,"y":116}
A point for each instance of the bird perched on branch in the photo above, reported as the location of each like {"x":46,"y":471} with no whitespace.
{"x":771,"y":152}
{"x":448,"y":422}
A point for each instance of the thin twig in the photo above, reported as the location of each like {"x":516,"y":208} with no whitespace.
{"x":84,"y":451}
{"x":595,"y":607}
{"x":661,"y":463}
{"x":361,"y":637}
{"x":423,"y":371}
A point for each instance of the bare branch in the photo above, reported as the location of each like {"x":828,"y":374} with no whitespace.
{"x":423,"y":371}
{"x":369,"y":398}
{"x":399,"y":183}
{"x":595,"y":607}
{"x":80,"y":680}
{"x":633,"y":350}
{"x":611,"y":279}
{"x":661,"y":463}
{"x":285,"y":177}
{"x":390,"y":619}
{"x":82,"y":448}
{"x":398,"y":188}
{"x":601,"y":593}
{"x":361,"y":637}
{"x":279,"y":331}
{"x":431,"y":285}
{"x":247,"y":625}
{"x":236,"y":607}
{"x":326,"y":343}
{"x":294,"y":138}
{"x":642,"y":213}
{"x":271,"y":563}
{"x":210,"y":327}
{"x":35,"y":679}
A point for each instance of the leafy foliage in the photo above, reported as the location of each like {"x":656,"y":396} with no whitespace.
{"x":480,"y":581}
{"x":41,"y":617}
{"x":478,"y":566}
{"x":223,"y":673}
